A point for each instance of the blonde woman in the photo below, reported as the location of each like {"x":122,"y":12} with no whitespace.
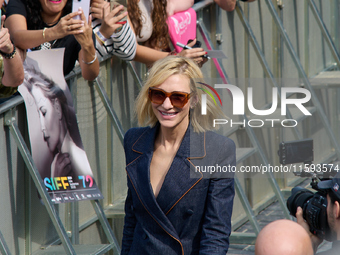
{"x":171,"y":207}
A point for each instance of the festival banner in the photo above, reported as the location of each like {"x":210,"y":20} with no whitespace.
{"x":56,"y":145}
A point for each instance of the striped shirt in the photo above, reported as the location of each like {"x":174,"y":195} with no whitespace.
{"x":122,"y":44}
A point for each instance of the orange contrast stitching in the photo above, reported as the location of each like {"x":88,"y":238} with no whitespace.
{"x":153,"y":217}
{"x":133,"y":161}
{"x":183,"y":195}
{"x":195,"y":182}
{"x":136,"y":142}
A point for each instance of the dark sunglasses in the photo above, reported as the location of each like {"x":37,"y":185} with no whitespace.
{"x":178,"y":99}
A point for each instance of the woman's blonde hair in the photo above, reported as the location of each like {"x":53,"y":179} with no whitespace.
{"x":162,"y":70}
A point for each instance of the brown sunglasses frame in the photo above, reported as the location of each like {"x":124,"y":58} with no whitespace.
{"x":169,"y":94}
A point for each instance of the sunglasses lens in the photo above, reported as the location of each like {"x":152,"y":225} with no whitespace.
{"x":157,"y":96}
{"x":178,"y":100}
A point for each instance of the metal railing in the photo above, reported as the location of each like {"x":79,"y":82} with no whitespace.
{"x":105,"y":111}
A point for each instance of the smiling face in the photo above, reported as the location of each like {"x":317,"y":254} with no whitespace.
{"x":52,"y":7}
{"x":49,"y":115}
{"x":168,"y":115}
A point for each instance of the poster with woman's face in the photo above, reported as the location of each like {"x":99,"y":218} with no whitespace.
{"x":56,"y":146}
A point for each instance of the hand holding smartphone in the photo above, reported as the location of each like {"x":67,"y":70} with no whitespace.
{"x":116,"y":3}
{"x":84,"y":4}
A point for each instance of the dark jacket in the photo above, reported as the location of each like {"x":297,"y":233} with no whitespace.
{"x":191,"y":214}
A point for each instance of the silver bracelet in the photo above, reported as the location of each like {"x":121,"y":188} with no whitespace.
{"x":91,"y":62}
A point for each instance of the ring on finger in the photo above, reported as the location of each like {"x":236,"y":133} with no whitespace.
{"x":69,"y":27}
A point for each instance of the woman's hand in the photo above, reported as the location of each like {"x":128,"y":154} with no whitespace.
{"x":87,"y":55}
{"x":110,"y":19}
{"x":195,"y":54}
{"x":6,"y":45}
{"x":63,"y":165}
{"x":13,"y":74}
{"x":316,"y":241}
{"x":84,"y":32}
{"x":66,"y":26}
{"x":97,"y":8}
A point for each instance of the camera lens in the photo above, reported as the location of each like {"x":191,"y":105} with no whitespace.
{"x":314,"y":207}
{"x":299,"y":197}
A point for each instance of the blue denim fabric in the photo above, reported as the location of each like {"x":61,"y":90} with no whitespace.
{"x":191,"y":214}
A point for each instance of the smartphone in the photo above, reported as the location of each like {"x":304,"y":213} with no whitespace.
{"x":116,"y":3}
{"x":84,"y":4}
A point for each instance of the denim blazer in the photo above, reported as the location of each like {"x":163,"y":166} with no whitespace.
{"x":191,"y":214}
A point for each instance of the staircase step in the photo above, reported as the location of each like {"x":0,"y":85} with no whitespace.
{"x":327,"y":79}
{"x":243,"y":153}
{"x":115,"y":210}
{"x":87,"y":249}
{"x":242,"y":238}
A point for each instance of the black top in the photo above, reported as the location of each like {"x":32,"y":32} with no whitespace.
{"x":72,"y":47}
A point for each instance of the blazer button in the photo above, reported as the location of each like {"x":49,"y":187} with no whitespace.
{"x":131,"y":207}
{"x":144,"y":236}
{"x":190,"y":212}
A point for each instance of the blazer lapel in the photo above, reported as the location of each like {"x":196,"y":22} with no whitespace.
{"x":182,"y":176}
{"x":138,"y":173}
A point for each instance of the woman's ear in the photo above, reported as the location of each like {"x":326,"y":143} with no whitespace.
{"x":57,"y":108}
{"x":193,"y":101}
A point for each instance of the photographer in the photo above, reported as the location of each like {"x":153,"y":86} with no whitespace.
{"x":332,"y":187}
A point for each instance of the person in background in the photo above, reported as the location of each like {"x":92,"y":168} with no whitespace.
{"x":283,"y":237}
{"x":332,"y":188}
{"x":44,"y":24}
{"x":148,"y":19}
{"x":174,"y":6}
{"x":12,"y":72}
{"x":171,"y":207}
{"x":112,"y":38}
